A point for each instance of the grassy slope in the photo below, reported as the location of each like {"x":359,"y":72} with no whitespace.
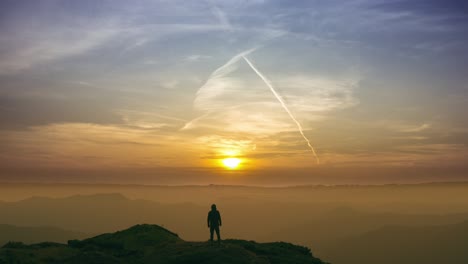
{"x":154,"y":244}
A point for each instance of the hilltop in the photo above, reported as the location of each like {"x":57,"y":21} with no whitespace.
{"x":154,"y":244}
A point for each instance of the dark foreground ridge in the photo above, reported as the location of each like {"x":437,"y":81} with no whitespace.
{"x":154,"y":244}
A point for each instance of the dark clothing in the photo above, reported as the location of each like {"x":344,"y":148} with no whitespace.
{"x":212,"y":230}
{"x":214,"y":218}
{"x":214,"y":222}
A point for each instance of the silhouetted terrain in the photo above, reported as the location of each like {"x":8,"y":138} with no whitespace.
{"x":404,"y":245}
{"x":340,"y":223}
{"x":101,"y":213}
{"x":262,"y":220}
{"x":319,"y":217}
{"x":412,"y":198}
{"x":154,"y":244}
{"x":30,"y":235}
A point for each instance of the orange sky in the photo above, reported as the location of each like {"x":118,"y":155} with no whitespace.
{"x":164,"y":86}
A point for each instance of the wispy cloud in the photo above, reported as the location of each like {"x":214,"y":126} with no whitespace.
{"x":197,"y":57}
{"x":237,"y":101}
{"x":168,"y":76}
{"x":283,"y":104}
{"x":222,"y":17}
{"x":415,"y":128}
{"x":222,"y":146}
{"x":62,"y":42}
{"x":148,"y":120}
{"x":66,"y":144}
{"x":215,"y":85}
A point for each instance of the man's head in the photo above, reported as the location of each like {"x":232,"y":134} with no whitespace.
{"x":213,"y":207}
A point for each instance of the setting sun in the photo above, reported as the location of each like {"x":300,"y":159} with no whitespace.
{"x":231,"y":163}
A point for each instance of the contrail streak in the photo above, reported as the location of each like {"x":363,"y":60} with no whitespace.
{"x":219,"y":72}
{"x":285,"y":107}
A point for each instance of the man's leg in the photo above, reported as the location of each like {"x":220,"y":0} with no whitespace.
{"x":217,"y":234}
{"x":211,"y":233}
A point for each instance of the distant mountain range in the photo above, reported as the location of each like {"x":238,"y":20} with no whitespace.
{"x":30,"y":235}
{"x":299,"y":223}
{"x":404,"y":245}
{"x":339,"y":234}
{"x":154,"y":244}
{"x":101,"y":213}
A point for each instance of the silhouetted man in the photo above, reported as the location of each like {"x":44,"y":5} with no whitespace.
{"x":214,"y":222}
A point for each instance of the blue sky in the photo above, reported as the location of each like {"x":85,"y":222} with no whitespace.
{"x":372,"y":83}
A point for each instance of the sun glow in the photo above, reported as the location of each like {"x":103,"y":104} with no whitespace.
{"x":231,"y":163}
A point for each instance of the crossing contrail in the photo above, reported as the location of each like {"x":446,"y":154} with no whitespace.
{"x":285,"y":107}
{"x":220,"y":72}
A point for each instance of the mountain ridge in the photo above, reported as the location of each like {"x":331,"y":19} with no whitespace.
{"x":154,"y":244}
{"x":429,"y":244}
{"x":36,"y":234}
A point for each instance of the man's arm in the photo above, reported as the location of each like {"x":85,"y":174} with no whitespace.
{"x":208,"y":219}
{"x":219,"y":217}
